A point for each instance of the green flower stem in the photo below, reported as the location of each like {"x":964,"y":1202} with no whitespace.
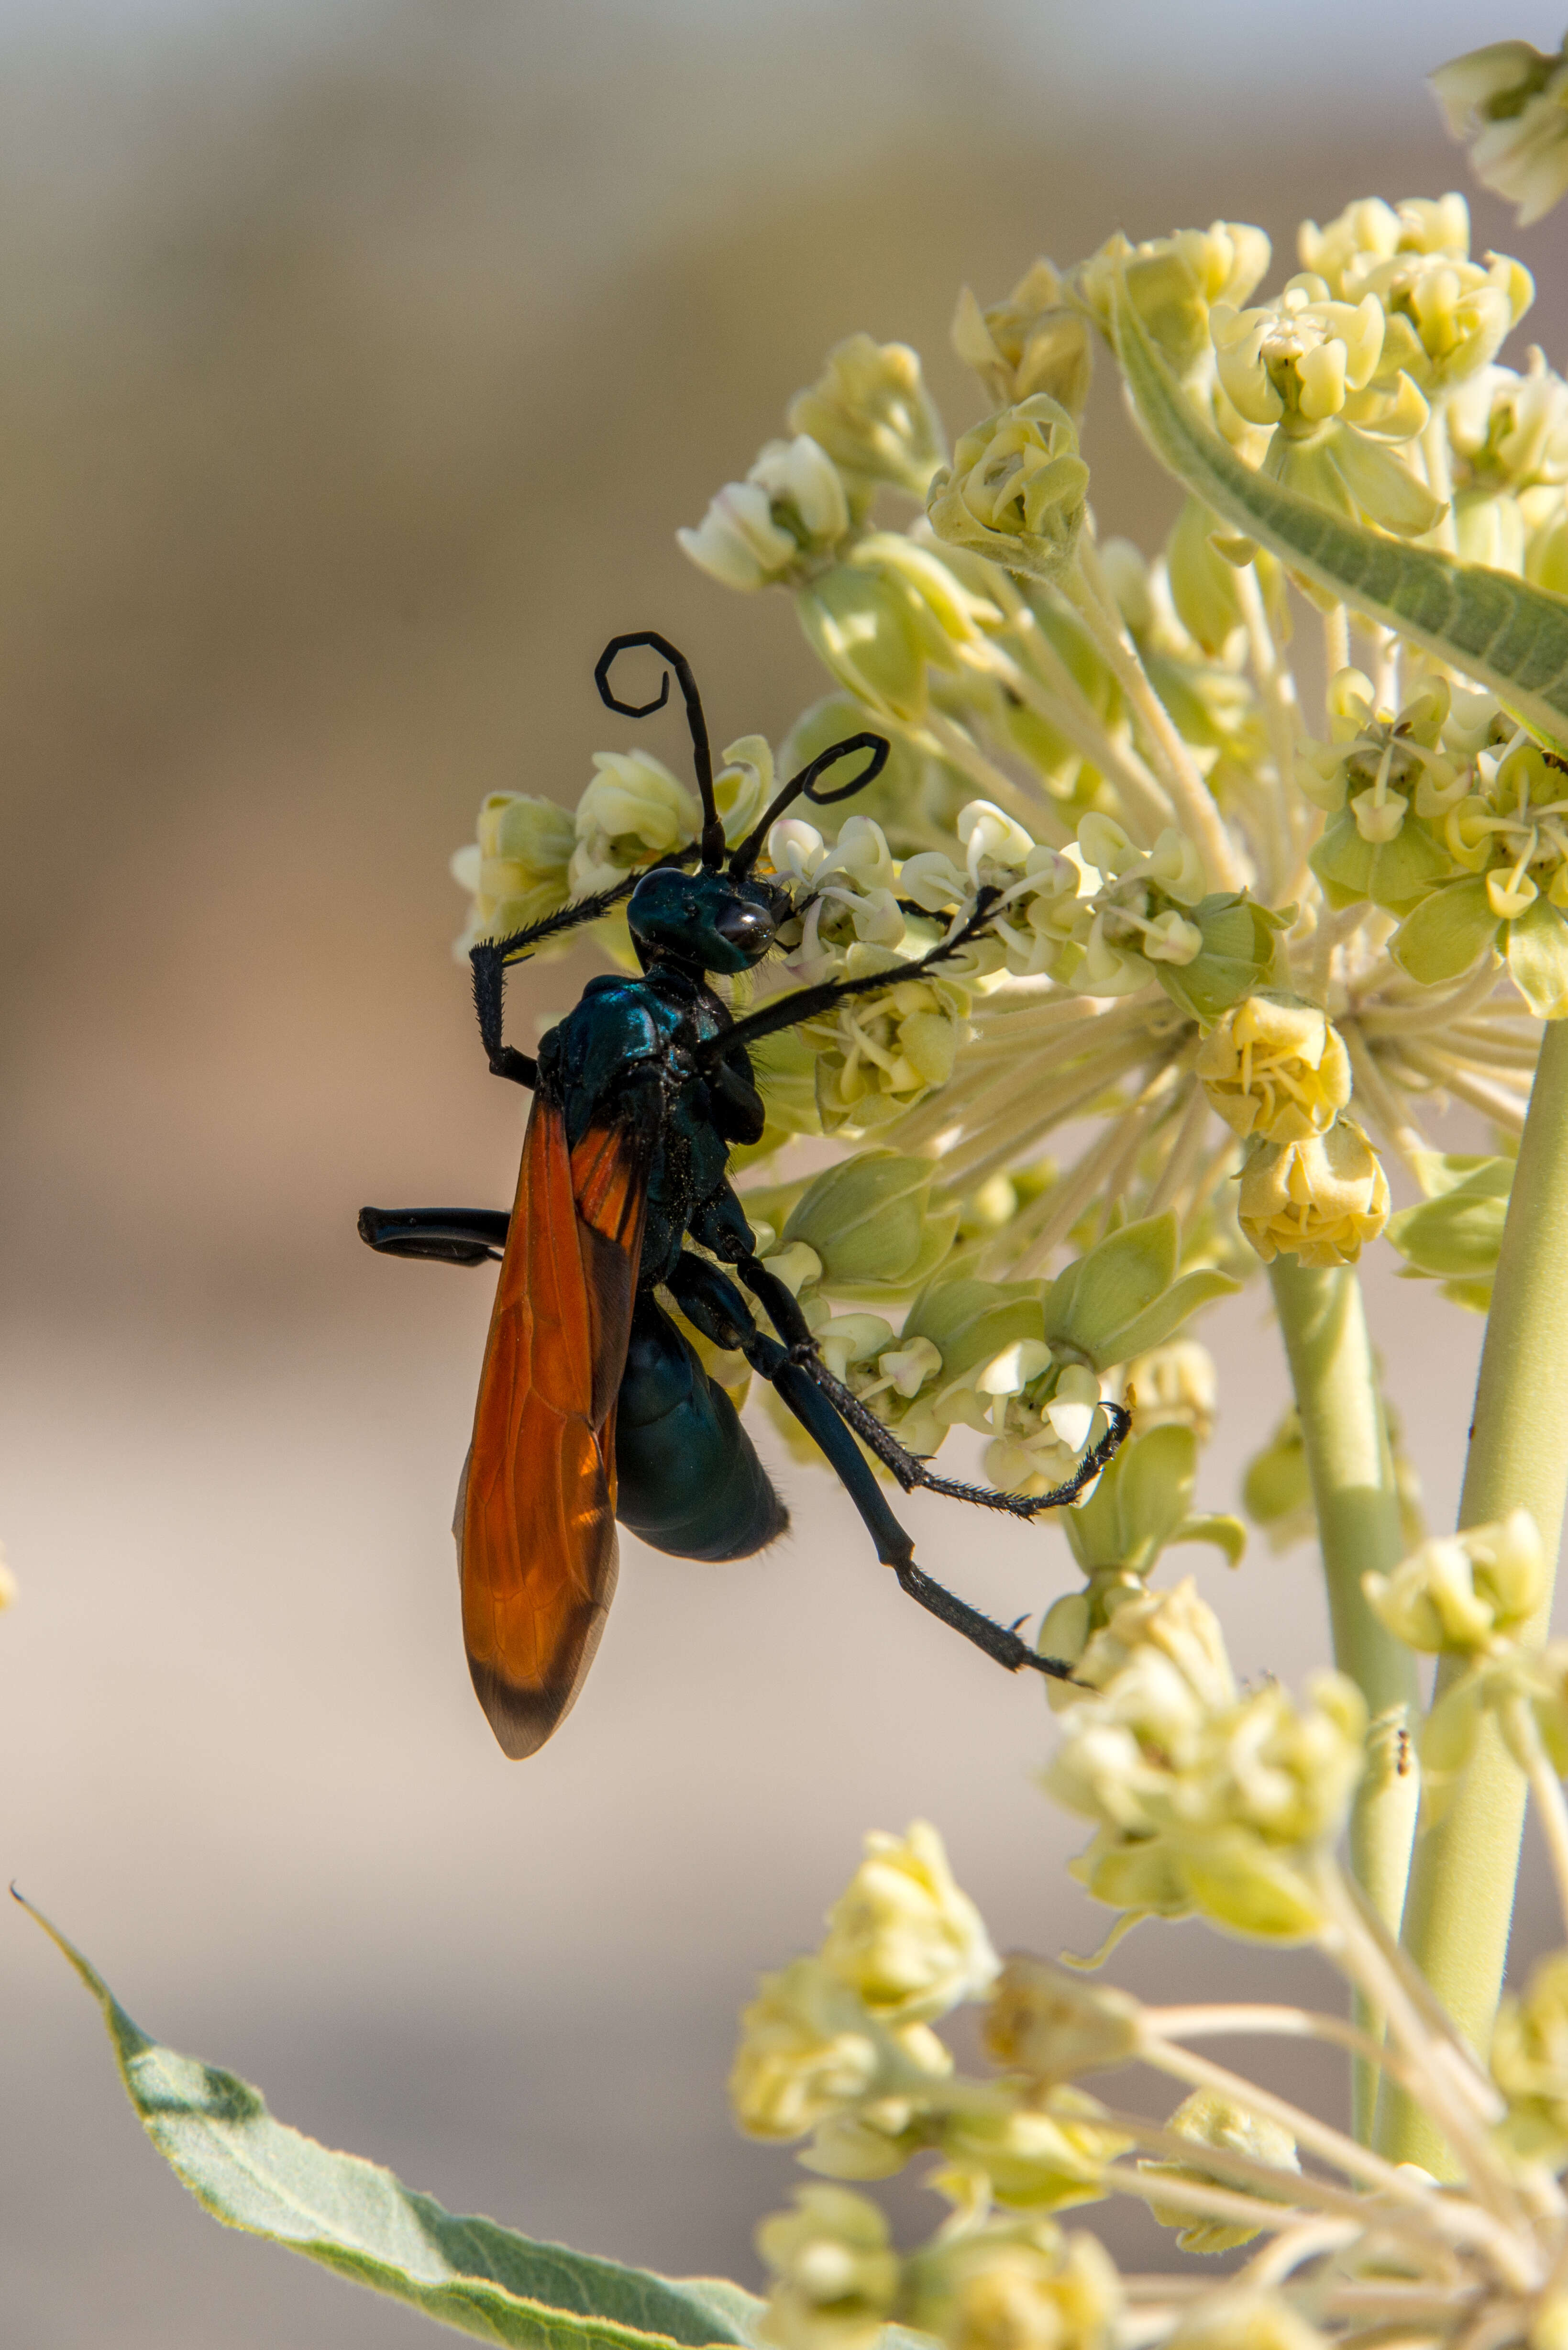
{"x":1357,"y":1505}
{"x":1083,"y":585}
{"x":1463,"y":1886}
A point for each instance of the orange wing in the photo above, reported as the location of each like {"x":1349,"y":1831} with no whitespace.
{"x":537,"y":1542}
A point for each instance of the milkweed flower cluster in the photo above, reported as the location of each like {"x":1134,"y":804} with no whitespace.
{"x":1244,"y":956}
{"x":1237,"y":960}
{"x":1113,"y":742}
{"x":1245,"y":947}
{"x":1232,"y":1802}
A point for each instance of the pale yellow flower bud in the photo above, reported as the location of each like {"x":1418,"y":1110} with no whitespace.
{"x":1463,"y":1591}
{"x":1171,"y":938}
{"x":1319,"y":1201}
{"x":1177,"y":1627}
{"x":910,"y":1369}
{"x":790,"y":510}
{"x":743,"y":785}
{"x":992,"y":837}
{"x":738,"y":542}
{"x":1011,"y":1371}
{"x":1204,"y":1798}
{"x":877,"y":1058}
{"x":959,"y":611}
{"x":1367,"y":226}
{"x":1511,"y":101}
{"x":932,"y":880}
{"x":1275,"y":1068}
{"x":1171,"y":283}
{"x":803,"y":483}
{"x":870,"y":1221}
{"x":1176,"y":1386}
{"x":1073,"y":1405}
{"x":1106,"y":846}
{"x":1016,"y":490}
{"x":903,"y":1936}
{"x":1023,"y":2287}
{"x":516,"y":869}
{"x":1288,"y":1770}
{"x":875,"y":631}
{"x":1446,"y":318}
{"x":1207,"y":2118}
{"x":795,"y":850}
{"x":809,"y":2046}
{"x":837,"y":2276}
{"x":796,"y":1265}
{"x":633,"y":811}
{"x":1039,"y":2152}
{"x":860,"y":856}
{"x":1051,"y":2024}
{"x":1297,"y":359}
{"x":1032,"y":342}
{"x":870,"y":410}
{"x":846,"y":1340}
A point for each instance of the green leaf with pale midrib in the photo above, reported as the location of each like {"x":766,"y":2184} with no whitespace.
{"x":1506,"y":634}
{"x":253,"y":2172}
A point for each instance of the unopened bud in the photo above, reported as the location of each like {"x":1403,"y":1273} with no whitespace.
{"x":1016,"y":490}
{"x":1054,"y":2025}
{"x":1462,"y":1591}
{"x":870,"y":410}
{"x":1318,"y":1201}
{"x":1274,"y":1066}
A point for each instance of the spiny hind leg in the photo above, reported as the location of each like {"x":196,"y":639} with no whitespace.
{"x":895,"y":1547}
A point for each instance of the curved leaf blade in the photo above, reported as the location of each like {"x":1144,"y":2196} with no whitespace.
{"x":1509,"y":636}
{"x":254,"y":2172}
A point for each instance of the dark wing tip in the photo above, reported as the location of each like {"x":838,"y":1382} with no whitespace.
{"x":522,"y":1719}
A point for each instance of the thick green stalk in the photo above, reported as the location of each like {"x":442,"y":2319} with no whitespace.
{"x":1357,"y":1505}
{"x":1463,"y":1886}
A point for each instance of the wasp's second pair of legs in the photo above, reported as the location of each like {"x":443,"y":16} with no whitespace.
{"x":711,"y":1301}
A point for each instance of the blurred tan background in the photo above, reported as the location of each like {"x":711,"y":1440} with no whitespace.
{"x":357,"y":365}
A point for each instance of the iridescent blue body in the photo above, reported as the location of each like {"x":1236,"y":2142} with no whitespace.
{"x":689,"y":1479}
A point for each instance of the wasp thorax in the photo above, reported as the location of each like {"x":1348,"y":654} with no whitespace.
{"x":712,"y":919}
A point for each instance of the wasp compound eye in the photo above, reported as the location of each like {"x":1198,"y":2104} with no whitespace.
{"x":747,"y":928}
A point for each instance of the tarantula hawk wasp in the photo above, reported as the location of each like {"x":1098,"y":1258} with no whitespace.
{"x":593,"y":1406}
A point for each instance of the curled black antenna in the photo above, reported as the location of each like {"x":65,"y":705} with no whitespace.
{"x":745,"y":856}
{"x":713,"y":842}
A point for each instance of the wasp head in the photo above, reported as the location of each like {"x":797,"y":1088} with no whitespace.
{"x":715,"y":921}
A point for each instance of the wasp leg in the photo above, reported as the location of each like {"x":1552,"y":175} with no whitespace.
{"x":716,"y":1307}
{"x":896,"y":1548}
{"x":811,"y":1003}
{"x":901,"y":1464}
{"x":445,"y":1236}
{"x":489,"y":962}
{"x":910,"y":1472}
